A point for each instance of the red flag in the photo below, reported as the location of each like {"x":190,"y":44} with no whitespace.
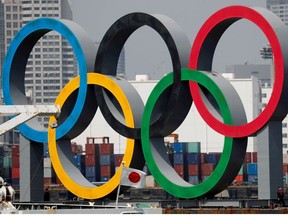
{"x":133,"y":177}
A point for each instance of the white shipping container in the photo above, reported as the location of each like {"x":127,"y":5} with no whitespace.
{"x":285,"y":158}
{"x":47,"y":162}
{"x":47,"y":172}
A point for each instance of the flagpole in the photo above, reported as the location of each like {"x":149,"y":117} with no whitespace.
{"x":118,"y":191}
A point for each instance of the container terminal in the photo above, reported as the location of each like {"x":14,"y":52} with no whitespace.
{"x":98,"y":162}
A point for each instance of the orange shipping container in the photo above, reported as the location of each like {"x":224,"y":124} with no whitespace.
{"x":207,"y":169}
{"x":91,"y":160}
{"x":179,"y":168}
{"x":92,"y":149}
{"x":118,"y":160}
{"x":105,"y":171}
{"x":193,"y":169}
{"x":107,"y":148}
{"x":239,"y":178}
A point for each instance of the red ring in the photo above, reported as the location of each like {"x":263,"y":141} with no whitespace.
{"x":254,"y":16}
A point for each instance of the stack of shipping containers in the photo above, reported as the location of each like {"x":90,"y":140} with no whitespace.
{"x":107,"y":162}
{"x":193,"y":161}
{"x":99,"y":163}
{"x":15,"y":166}
{"x":92,"y":165}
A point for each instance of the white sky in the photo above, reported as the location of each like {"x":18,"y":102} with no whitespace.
{"x":146,"y":52}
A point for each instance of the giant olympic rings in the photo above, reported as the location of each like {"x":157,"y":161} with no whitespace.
{"x":123,"y":109}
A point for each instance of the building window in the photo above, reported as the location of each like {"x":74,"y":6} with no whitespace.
{"x":284,"y":135}
{"x":284,"y":125}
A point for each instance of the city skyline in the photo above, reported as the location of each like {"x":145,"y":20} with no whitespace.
{"x":145,"y":51}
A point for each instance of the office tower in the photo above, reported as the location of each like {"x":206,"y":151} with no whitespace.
{"x":51,"y":64}
{"x":280,"y":8}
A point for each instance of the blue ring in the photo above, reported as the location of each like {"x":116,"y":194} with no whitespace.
{"x":46,"y":25}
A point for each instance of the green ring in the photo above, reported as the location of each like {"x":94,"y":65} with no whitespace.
{"x":177,"y":186}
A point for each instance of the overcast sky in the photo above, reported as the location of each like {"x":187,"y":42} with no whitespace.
{"x":146,"y":52}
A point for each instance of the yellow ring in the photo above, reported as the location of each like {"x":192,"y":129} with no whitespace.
{"x":91,"y":192}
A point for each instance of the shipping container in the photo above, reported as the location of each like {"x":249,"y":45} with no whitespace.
{"x":7,"y":162}
{"x":179,"y":147}
{"x":15,"y":161}
{"x":118,"y":159}
{"x":202,"y":158}
{"x":104,"y":178}
{"x":251,"y":169}
{"x":91,"y":179}
{"x":193,"y":147}
{"x":285,"y":168}
{"x":194,"y":180}
{"x":79,"y":160}
{"x":248,"y":158}
{"x":15,"y":172}
{"x":285,"y":158}
{"x":207,"y":169}
{"x":106,"y":148}
{"x":193,"y":169}
{"x":6,"y":172}
{"x":252,"y":178}
{"x":107,"y":160}
{"x":193,"y":158}
{"x":106,"y":171}
{"x":90,"y":171}
{"x":178,"y":158}
{"x":181,"y":170}
{"x":47,"y":172}
{"x":254,"y":157}
{"x":45,"y":150}
{"x":92,"y":149}
{"x":212,"y":158}
{"x":91,"y":160}
{"x":47,"y":181}
{"x":15,"y":150}
{"x":47,"y":162}
{"x":239,"y":178}
{"x":15,"y":182}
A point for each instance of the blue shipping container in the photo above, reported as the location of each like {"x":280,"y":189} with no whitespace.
{"x":193,"y":158}
{"x":193,"y":180}
{"x":90,"y":171}
{"x":104,"y":178}
{"x":15,"y":181}
{"x":252,"y":169}
{"x":91,"y":179}
{"x":178,"y":158}
{"x":179,"y":147}
{"x":106,"y":159}
{"x":252,"y":178}
{"x":212,"y":158}
{"x":45,"y":150}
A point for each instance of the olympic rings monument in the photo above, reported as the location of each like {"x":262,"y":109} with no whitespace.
{"x":146,"y":125}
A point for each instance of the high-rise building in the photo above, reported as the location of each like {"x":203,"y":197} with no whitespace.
{"x":51,"y":64}
{"x":280,"y":8}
